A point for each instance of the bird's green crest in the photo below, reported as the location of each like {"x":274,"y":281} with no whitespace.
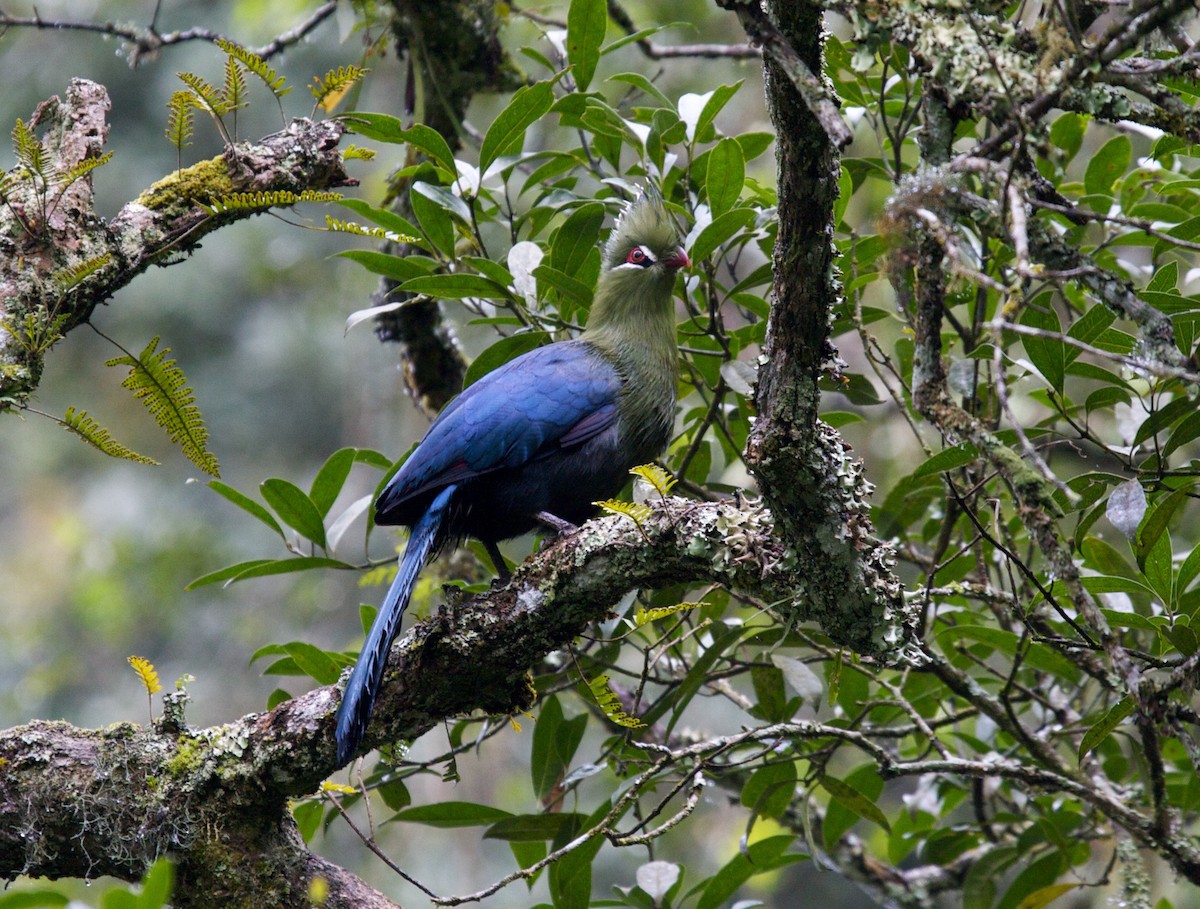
{"x":644,"y":221}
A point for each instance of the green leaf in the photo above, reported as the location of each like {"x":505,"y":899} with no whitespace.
{"x":570,"y":878}
{"x":1048,"y":354}
{"x":726,"y":174}
{"x":576,"y":238}
{"x":979,"y":888}
{"x":261,"y":568}
{"x":720,"y":230}
{"x":295,"y":508}
{"x":639,"y":81}
{"x":770,"y":790}
{"x":947,"y":459}
{"x":1043,"y":897}
{"x":555,"y":740}
{"x":247,"y":504}
{"x":380,"y":127}
{"x":1066,"y":134}
{"x":313,"y":662}
{"x":586,"y":22}
{"x":759,"y":857}
{"x":1154,"y":523}
{"x":1108,"y":164}
{"x":1042,"y":873}
{"x":452,"y":814}
{"x":33,"y":899}
{"x":569,"y":288}
{"x":715,"y":102}
{"x":331,"y":478}
{"x":1105,"y":725}
{"x":307,"y":815}
{"x":858,"y":803}
{"x":1187,"y":430}
{"x":456,"y":286}
{"x":535,"y":828}
{"x":501,"y":352}
{"x":433,"y":217}
{"x":398,"y":268}
{"x":1090,"y":326}
{"x":507,"y":131}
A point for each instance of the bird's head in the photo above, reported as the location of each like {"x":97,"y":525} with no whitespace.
{"x":643,"y":249}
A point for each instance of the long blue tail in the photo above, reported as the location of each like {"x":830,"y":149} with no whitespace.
{"x":363,"y":687}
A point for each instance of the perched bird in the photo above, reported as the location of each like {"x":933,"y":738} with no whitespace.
{"x":540,"y":439}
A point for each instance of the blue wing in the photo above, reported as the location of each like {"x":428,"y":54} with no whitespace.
{"x":545,"y":400}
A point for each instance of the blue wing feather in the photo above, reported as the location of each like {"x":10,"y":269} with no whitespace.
{"x":553,"y":397}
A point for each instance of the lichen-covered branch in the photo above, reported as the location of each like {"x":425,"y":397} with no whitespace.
{"x":59,"y":259}
{"x":82,"y":803}
{"x":807,"y":473}
{"x":986,"y":65}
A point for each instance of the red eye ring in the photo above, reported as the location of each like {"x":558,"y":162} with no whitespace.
{"x":636,"y":256}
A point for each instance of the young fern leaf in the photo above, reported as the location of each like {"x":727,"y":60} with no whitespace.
{"x":36,"y":332}
{"x":353,"y":227}
{"x":204,"y":94}
{"x":161,"y":385}
{"x":636,"y":513}
{"x":208,"y":99}
{"x":181,"y":119}
{"x":28,"y":150}
{"x":352,"y":152}
{"x":82,"y":169}
{"x":645,"y":616}
{"x":255,"y":64}
{"x":661,"y":480}
{"x":233,"y":92}
{"x":261,"y":201}
{"x":147,"y":673}
{"x":330,"y":88}
{"x":66,"y":279}
{"x":97,"y":436}
{"x":607,"y":700}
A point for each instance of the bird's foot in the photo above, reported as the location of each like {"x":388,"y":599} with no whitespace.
{"x":555,"y":523}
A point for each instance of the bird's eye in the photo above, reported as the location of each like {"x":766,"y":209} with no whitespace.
{"x":638,"y":256}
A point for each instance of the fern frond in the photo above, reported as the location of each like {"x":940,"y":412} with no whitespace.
{"x":147,"y":673}
{"x":234,"y":90}
{"x":7,"y":182}
{"x":181,"y":118}
{"x":161,"y":385}
{"x":633,"y":511}
{"x":66,"y":279}
{"x":645,"y":616}
{"x":255,"y":64}
{"x":97,"y":436}
{"x":352,"y":152}
{"x":81,"y":169}
{"x":329,"y":89}
{"x":36,"y":332}
{"x":661,"y":480}
{"x":607,"y":700}
{"x":28,"y":149}
{"x":353,"y":227}
{"x":260,"y":201}
{"x":205,"y":95}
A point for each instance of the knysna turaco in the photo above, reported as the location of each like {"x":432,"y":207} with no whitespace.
{"x":540,"y":439}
